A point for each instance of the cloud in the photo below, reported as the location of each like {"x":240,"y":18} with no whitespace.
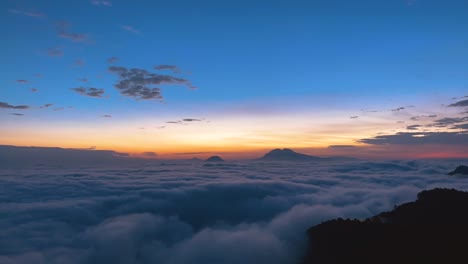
{"x":46,"y":106}
{"x":448,"y":121}
{"x":407,"y":138}
{"x":33,"y":90}
{"x":419,"y":117}
{"x":191,"y":120}
{"x":370,"y":111}
{"x":461,"y":126}
{"x":89,"y":91}
{"x":136,"y":83}
{"x":85,"y":80}
{"x":398,"y":109}
{"x":463,"y":103}
{"x":185,"y":212}
{"x":101,"y":3}
{"x":107,"y":116}
{"x":342,"y":147}
{"x":112,"y":60}
{"x":192,"y":153}
{"x":413,"y":127}
{"x":22,"y":81}
{"x":178,"y":122}
{"x":64,"y":32}
{"x":172,"y":68}
{"x":80,"y":62}
{"x":354,"y":117}
{"x":55,"y":52}
{"x":27,"y":13}
{"x":131,"y":29}
{"x":17,"y":114}
{"x":9,"y":106}
{"x":58,"y":109}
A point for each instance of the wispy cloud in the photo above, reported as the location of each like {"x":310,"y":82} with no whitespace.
{"x":106,"y":116}
{"x":55,"y":52}
{"x":85,"y":80}
{"x":130,"y":29}
{"x":448,"y":121}
{"x":27,"y":13}
{"x":64,"y":32}
{"x":46,"y":106}
{"x":419,"y":117}
{"x":16,"y":114}
{"x":112,"y":60}
{"x":101,"y":3}
{"x":79,"y":63}
{"x":34,"y":90}
{"x":419,"y":138}
{"x":413,"y":127}
{"x":174,"y":122}
{"x":9,"y":106}
{"x":89,"y":91}
{"x":397,"y":109}
{"x":22,"y":81}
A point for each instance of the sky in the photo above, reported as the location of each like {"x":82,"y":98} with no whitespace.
{"x":186,"y":78}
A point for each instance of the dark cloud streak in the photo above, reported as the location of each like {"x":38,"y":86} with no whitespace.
{"x":463,"y":103}
{"x":9,"y":106}
{"x":89,"y":91}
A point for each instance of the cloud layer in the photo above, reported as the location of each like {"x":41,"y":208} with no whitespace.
{"x":192,"y":212}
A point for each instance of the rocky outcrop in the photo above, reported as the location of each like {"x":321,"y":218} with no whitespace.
{"x":433,"y":229}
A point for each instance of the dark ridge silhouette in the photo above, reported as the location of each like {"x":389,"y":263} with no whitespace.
{"x":214,"y":159}
{"x":287,"y":155}
{"x":433,"y":229}
{"x":11,"y":156}
{"x":463,"y":170}
{"x":195,"y":159}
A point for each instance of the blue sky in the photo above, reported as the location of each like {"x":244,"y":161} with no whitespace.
{"x":292,"y":57}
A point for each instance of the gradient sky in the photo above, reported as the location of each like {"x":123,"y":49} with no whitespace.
{"x":364,"y":78}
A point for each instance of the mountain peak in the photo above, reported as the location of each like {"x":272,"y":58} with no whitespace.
{"x":286,"y":154}
{"x":463,"y":170}
{"x":214,"y":159}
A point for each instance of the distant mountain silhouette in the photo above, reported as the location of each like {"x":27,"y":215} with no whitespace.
{"x":433,"y":229}
{"x":214,"y":159}
{"x":287,"y":155}
{"x":11,"y":156}
{"x":195,"y":159}
{"x":463,"y":170}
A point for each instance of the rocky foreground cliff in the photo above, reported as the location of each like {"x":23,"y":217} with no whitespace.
{"x":433,"y":229}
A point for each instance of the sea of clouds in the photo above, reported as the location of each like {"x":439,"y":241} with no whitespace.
{"x":195,"y":212}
